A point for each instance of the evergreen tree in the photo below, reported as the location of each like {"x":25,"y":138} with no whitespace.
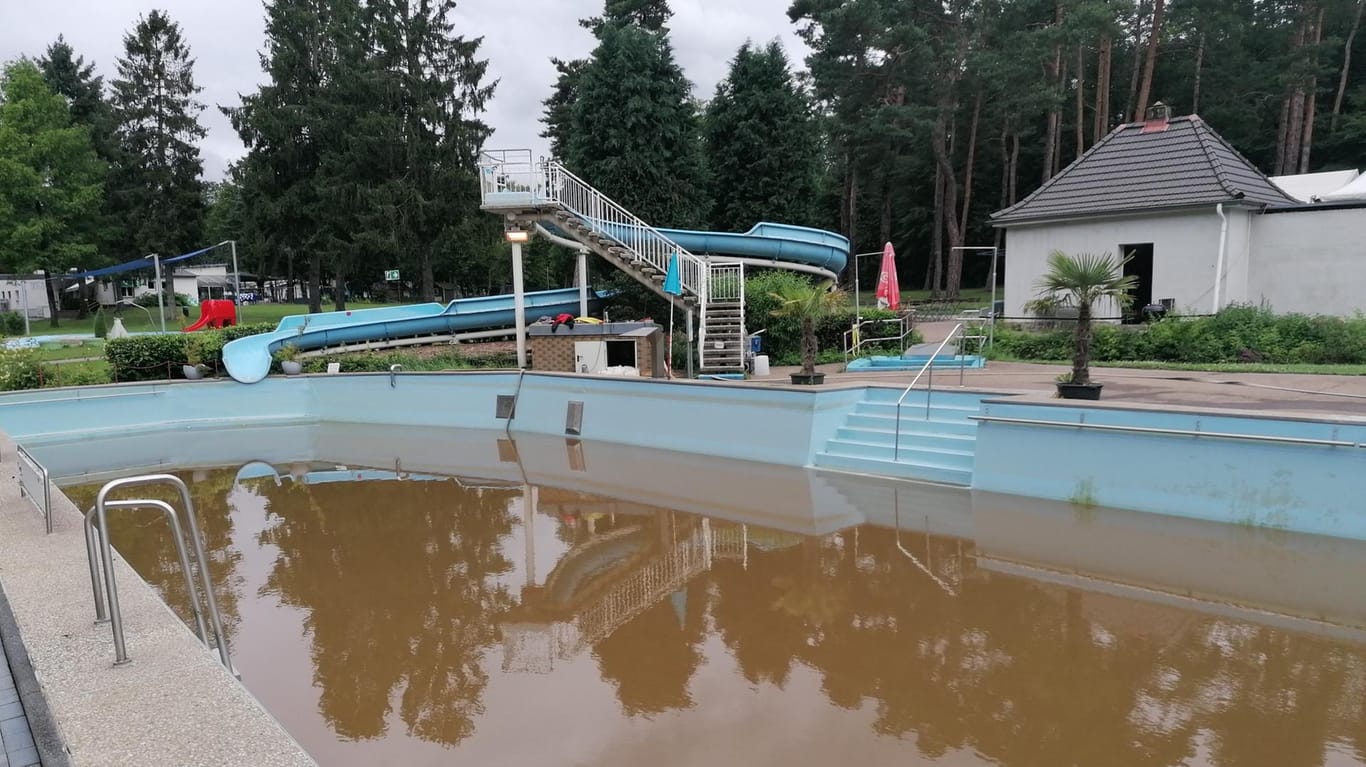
{"x":762,"y":145}
{"x":634,"y":130}
{"x":69,"y":75}
{"x":278,"y":126}
{"x":50,"y":180}
{"x":157,"y":190}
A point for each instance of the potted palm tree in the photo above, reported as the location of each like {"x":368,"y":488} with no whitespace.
{"x":194,"y":359}
{"x":809,"y":304}
{"x":288,"y":357}
{"x":1080,"y":282}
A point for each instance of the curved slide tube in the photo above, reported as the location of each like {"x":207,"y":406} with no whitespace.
{"x":778,"y":243}
{"x":770,"y":242}
{"x":248,"y":359}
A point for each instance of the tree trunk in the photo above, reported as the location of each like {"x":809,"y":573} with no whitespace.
{"x":1150,"y":61}
{"x":808,"y":345}
{"x":1081,"y":346}
{"x":1101,"y":122}
{"x":1081,"y":101}
{"x":1014,"y":167}
{"x":1137,"y":34}
{"x":938,"y":144}
{"x":972,"y":156}
{"x":1346,"y":66}
{"x":51,"y":286}
{"x":934,"y":275}
{"x":339,"y":290}
{"x":315,"y":282}
{"x":1199,"y":63}
{"x":1050,"y":138}
{"x":428,"y":275}
{"x":1282,"y":131}
{"x":1292,"y":112}
{"x":1312,"y":85}
{"x":849,"y":210}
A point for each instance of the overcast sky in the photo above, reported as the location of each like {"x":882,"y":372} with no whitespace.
{"x":520,"y":37}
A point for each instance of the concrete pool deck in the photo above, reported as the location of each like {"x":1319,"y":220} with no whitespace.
{"x":174,"y":704}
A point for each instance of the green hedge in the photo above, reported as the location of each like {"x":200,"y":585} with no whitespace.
{"x":1236,"y":334}
{"x":156,"y":357}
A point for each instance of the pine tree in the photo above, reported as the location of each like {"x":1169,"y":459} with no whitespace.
{"x":762,"y":144}
{"x":69,"y":75}
{"x":157,"y":190}
{"x":50,"y":180}
{"x":634,"y":130}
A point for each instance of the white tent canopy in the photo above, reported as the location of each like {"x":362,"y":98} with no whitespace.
{"x":1355,"y":190}
{"x":1310,"y":187}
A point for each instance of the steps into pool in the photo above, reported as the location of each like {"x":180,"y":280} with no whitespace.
{"x":937,"y":444}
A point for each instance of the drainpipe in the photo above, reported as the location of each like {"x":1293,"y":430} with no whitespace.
{"x":1219,"y":264}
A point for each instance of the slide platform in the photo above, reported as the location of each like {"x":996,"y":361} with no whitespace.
{"x":248,"y":359}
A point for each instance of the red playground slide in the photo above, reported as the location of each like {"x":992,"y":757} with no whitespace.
{"x":215,"y":313}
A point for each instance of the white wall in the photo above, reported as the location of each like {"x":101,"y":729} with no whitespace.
{"x":1185,"y":248}
{"x":1312,"y":262}
{"x":12,"y":296}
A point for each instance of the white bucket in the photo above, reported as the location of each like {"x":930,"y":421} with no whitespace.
{"x":761,"y":364}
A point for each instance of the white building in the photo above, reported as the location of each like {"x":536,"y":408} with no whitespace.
{"x":197,"y":282}
{"x":24,"y":292}
{"x":1204,"y":227}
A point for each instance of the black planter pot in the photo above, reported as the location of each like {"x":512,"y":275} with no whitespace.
{"x":1079,"y":391}
{"x":804,"y":379}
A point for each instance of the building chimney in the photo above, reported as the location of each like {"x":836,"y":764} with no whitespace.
{"x":1156,"y":119}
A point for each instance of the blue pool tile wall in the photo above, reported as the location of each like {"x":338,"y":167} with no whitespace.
{"x":1302,"y":487}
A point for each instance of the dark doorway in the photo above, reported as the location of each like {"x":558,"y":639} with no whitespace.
{"x":1140,"y":267}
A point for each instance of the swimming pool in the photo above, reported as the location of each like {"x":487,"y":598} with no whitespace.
{"x":710,"y":457}
{"x":547,"y":614}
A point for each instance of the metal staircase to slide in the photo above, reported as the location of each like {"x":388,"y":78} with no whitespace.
{"x":527,"y":193}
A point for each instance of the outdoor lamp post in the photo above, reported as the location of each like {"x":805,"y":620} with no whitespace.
{"x":517,"y":238}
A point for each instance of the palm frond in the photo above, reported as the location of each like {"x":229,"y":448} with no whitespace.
{"x":1083,"y":279}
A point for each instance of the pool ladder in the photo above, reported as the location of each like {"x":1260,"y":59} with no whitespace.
{"x":100,"y":555}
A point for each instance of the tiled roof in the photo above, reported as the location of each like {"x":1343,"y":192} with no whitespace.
{"x":1133,"y":169}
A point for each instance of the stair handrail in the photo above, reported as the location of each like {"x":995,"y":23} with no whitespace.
{"x":929,"y":365}
{"x":646,"y":242}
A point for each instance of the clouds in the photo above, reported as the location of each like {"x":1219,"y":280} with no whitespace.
{"x":519,"y":40}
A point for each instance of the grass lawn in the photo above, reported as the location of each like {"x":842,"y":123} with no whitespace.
{"x":1211,"y":367}
{"x":93,"y":347}
{"x":136,"y":320}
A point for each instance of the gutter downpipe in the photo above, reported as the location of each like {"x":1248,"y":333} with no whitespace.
{"x":1219,"y":264}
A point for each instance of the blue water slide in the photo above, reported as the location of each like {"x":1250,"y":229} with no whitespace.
{"x":771,"y":242}
{"x":248,"y":359}
{"x":778,"y":243}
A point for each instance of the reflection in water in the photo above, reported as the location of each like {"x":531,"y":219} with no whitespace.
{"x":446,"y":622}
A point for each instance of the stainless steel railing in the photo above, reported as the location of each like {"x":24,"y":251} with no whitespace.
{"x":957,"y":332}
{"x":100,"y":555}
{"x":1171,"y":432}
{"x":34,"y":482}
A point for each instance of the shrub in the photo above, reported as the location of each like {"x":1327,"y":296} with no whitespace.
{"x":153,"y":357}
{"x":19,"y":369}
{"x":149,"y":300}
{"x":101,"y":324}
{"x":12,"y":323}
{"x":782,"y":337}
{"x":1236,"y":334}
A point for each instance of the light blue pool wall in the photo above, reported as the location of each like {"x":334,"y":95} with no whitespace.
{"x":1314,"y":489}
{"x":1305,"y":488}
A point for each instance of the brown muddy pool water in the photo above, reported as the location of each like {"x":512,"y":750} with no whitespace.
{"x":435,"y":621}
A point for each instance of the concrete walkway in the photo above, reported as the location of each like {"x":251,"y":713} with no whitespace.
{"x":19,"y":749}
{"x":1291,"y":394}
